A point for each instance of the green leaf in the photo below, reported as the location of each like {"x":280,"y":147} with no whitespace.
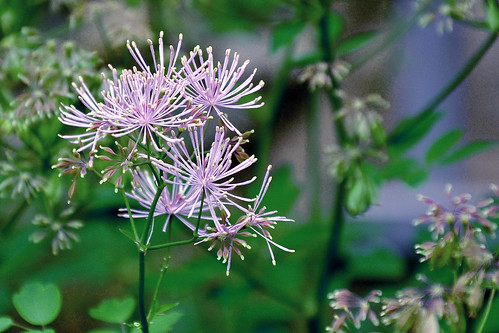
{"x":410,"y":131}
{"x":38,"y":304}
{"x":103,"y":330}
{"x":162,"y":323}
{"x":113,"y":310}
{"x":157,"y":309}
{"x":355,"y":42}
{"x":335,"y":25}
{"x":5,"y":323}
{"x":128,"y":234}
{"x":468,"y":150}
{"x":493,"y":15}
{"x":166,"y":307}
{"x":362,"y":192}
{"x":416,"y":176}
{"x":440,"y":147}
{"x":285,"y":33}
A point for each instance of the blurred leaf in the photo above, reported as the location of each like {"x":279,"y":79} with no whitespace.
{"x":362,"y":191}
{"x":226,"y":15}
{"x":468,"y":151}
{"x":335,"y":26}
{"x":132,"y":3}
{"x":5,"y":323}
{"x":128,"y":234}
{"x":157,"y":309}
{"x":47,"y":330}
{"x":38,"y":304}
{"x":416,"y":176}
{"x":380,"y":264}
{"x":442,"y":254}
{"x":166,"y":307}
{"x":113,"y":310}
{"x":493,"y":15}
{"x":443,"y":144}
{"x":285,"y":33}
{"x":162,"y":323}
{"x":355,"y":42}
{"x":307,"y":59}
{"x":410,"y":131}
{"x":103,"y":330}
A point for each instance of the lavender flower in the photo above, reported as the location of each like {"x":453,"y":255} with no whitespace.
{"x":210,"y":174}
{"x":258,"y":220}
{"x":345,"y":302}
{"x":255,"y":218}
{"x":229,"y":238}
{"x":172,"y":202}
{"x":141,"y":104}
{"x":459,"y":217}
{"x":123,"y":161}
{"x":76,"y":167}
{"x":215,"y":87}
{"x":420,"y":309}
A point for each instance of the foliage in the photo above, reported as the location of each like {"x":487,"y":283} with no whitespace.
{"x":72,"y":244}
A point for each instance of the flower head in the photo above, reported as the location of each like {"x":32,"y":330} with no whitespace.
{"x":459,"y":216}
{"x":229,"y":238}
{"x":215,"y":86}
{"x":259,"y":220}
{"x":345,"y":303}
{"x":209,"y":174}
{"x":175,"y":201}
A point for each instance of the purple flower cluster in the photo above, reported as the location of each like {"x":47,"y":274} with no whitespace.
{"x":459,"y":244}
{"x":164,"y":112}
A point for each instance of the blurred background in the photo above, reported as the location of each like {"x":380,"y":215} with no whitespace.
{"x":257,"y":297}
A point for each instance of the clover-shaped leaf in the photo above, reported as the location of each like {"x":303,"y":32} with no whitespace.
{"x":113,"y":310}
{"x":37,"y":303}
{"x":5,"y":323}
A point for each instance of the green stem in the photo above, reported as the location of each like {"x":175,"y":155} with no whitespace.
{"x":164,"y":267}
{"x":332,"y":258}
{"x":150,"y":217}
{"x":487,"y":311}
{"x":317,"y":322}
{"x":463,"y":73}
{"x":129,"y":211}
{"x":314,"y":155}
{"x":194,"y":237}
{"x":398,"y":31}
{"x":142,"y":307}
{"x":453,"y":84}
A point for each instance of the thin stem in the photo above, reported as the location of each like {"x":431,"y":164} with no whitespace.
{"x":142,"y":307}
{"x":171,"y":244}
{"x":474,"y":60}
{"x":194,"y":237}
{"x":487,"y":311}
{"x":150,"y":217}
{"x":129,"y":211}
{"x":331,"y":260}
{"x":397,"y":32}
{"x":164,"y":267}
{"x":313,"y":155}
{"x":317,"y":323}
{"x":453,"y":84}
